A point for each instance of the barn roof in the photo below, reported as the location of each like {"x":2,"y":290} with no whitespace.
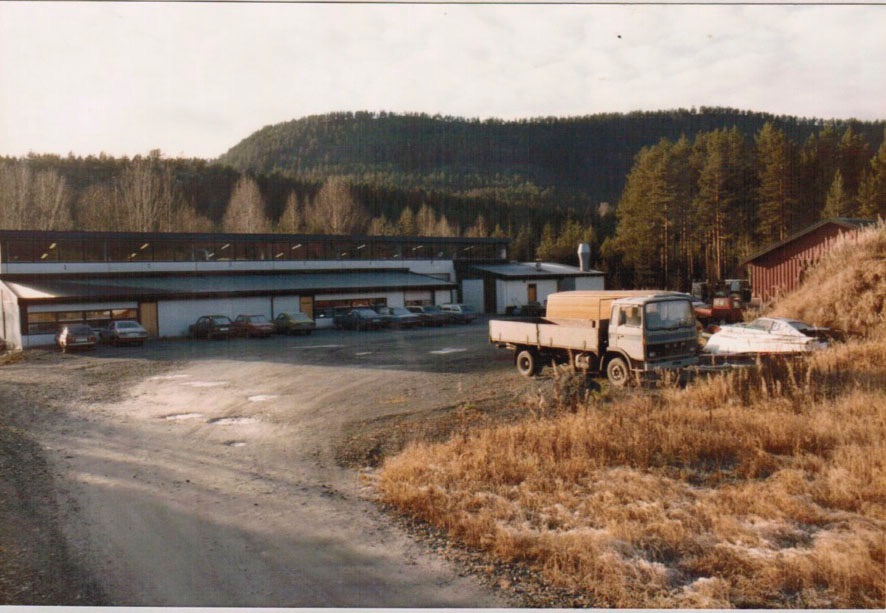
{"x":843,"y":222}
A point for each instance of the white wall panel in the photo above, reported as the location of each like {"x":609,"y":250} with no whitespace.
{"x":286,"y":304}
{"x":589,"y":283}
{"x":176,"y":315}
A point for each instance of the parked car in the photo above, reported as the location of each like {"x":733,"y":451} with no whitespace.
{"x":461,"y":313}
{"x":767,"y":335}
{"x":124,"y":332}
{"x":75,"y":336}
{"x":432,"y":315}
{"x":212,"y":326}
{"x":362,"y":318}
{"x":399,"y":317}
{"x":253,"y":326}
{"x":294,"y":323}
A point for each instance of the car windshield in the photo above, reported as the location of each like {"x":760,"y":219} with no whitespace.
{"x":669,"y":314}
{"x":431,"y":309}
{"x":400,"y":311}
{"x":128,"y":324}
{"x":257,"y":319}
{"x":300,"y":317}
{"x":79,"y":329}
{"x":367,"y":312}
{"x":221,"y":319}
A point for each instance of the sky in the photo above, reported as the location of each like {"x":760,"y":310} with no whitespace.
{"x":194,"y":79}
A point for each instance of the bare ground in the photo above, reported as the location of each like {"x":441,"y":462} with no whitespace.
{"x":102,"y":457}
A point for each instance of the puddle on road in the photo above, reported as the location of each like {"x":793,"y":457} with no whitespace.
{"x":182,"y":416}
{"x":316,"y":346}
{"x":361,"y":353}
{"x":262,"y":397}
{"x":205,"y":383}
{"x":231,"y":421}
{"x":446,"y":350}
{"x":167,"y":377}
{"x":235,"y":443}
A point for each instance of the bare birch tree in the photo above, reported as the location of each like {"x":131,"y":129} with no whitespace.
{"x":246,"y":209}
{"x":292,"y":220}
{"x":334,"y":210}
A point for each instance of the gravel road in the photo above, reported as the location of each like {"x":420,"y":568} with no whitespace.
{"x":204,"y":473}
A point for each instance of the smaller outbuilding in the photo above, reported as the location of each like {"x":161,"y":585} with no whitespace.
{"x":780,"y":268}
{"x":500,"y":288}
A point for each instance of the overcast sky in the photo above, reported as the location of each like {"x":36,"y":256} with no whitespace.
{"x":195,"y":79}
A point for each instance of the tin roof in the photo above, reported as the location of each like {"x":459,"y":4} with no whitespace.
{"x":197,"y":286}
{"x":843,"y":222}
{"x":531,"y":270}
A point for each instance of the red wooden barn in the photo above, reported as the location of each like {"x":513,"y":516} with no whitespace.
{"x":779,"y":268}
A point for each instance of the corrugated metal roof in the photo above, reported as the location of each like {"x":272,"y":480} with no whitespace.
{"x":518,"y":270}
{"x":843,"y":222}
{"x":184,"y":286}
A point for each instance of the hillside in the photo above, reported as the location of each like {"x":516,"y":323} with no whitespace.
{"x":761,"y":488}
{"x":584,"y":158}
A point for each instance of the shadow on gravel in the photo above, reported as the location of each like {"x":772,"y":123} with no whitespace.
{"x":36,"y":567}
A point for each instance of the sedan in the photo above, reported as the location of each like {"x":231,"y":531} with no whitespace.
{"x":432,"y":315}
{"x":124,"y":332}
{"x":75,"y":336}
{"x":212,"y":326}
{"x":399,"y":317}
{"x":253,"y":326}
{"x":294,"y":323}
{"x":360,"y":319}
{"x":461,"y":313}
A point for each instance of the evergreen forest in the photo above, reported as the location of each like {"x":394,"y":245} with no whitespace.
{"x":663,"y":198}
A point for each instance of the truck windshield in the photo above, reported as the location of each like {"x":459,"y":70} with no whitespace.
{"x":669,"y":315}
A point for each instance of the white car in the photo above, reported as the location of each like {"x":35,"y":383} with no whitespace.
{"x":124,"y":332}
{"x":767,"y":335}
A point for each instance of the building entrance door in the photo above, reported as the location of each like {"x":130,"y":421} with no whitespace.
{"x":148,"y":314}
{"x":306,"y":305}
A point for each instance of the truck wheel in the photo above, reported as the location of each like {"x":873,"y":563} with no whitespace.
{"x":618,"y":372}
{"x":527,"y":363}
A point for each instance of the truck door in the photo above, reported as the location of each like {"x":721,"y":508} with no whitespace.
{"x":626,"y":331}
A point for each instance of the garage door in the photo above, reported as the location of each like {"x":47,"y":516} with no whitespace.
{"x":472,"y":293}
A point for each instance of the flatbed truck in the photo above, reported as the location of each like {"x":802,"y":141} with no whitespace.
{"x":624,"y":334}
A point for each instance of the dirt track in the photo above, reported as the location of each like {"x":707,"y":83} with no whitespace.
{"x":205,"y":473}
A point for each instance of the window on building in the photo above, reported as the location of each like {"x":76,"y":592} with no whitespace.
{"x":19,"y":251}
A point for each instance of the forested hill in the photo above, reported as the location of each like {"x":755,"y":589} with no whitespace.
{"x":585,"y":159}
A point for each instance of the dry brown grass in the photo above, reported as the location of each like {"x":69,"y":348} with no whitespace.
{"x":765,"y":487}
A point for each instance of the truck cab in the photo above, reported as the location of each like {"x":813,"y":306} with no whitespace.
{"x":649,"y":333}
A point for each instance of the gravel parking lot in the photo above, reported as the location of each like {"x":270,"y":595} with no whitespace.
{"x":210,"y":473}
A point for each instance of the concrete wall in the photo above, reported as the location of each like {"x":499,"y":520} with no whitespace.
{"x":510,"y":293}
{"x":174,"y":316}
{"x":10,"y":320}
{"x":589,"y":283}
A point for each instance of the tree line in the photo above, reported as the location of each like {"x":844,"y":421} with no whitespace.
{"x":690,"y":208}
{"x":695,"y":209}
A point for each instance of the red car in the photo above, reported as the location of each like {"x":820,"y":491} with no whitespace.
{"x":75,"y":336}
{"x":253,"y":325}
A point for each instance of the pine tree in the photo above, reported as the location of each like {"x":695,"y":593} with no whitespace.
{"x":838,"y":202}
{"x":777,"y":189}
{"x":872,"y":191}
